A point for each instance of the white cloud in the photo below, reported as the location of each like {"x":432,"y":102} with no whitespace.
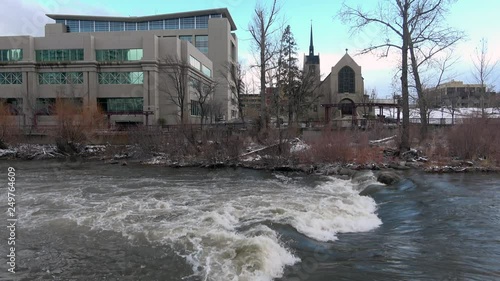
{"x":27,"y":17}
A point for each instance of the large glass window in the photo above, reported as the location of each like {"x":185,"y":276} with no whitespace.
{"x":73,"y":25}
{"x":130,"y":26}
{"x":121,"y":78}
{"x":117,"y":26}
{"x":86,"y":26}
{"x":102,"y":26}
{"x":51,"y":78}
{"x":143,"y":25}
{"x":201,"y":42}
{"x":121,"y":105}
{"x":11,"y":55}
{"x":156,"y":24}
{"x":59,"y":55}
{"x":11,"y":78}
{"x":119,"y":55}
{"x":188,"y":38}
{"x":187,"y":23}
{"x":172,"y":24}
{"x":346,"y":80}
{"x":202,"y":22}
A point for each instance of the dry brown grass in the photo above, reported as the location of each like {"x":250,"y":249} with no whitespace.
{"x":476,"y":137}
{"x":9,"y":131}
{"x":342,"y":146}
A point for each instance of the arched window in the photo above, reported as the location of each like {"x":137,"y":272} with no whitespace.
{"x":346,"y":80}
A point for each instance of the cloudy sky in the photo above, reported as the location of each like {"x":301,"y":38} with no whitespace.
{"x":476,"y":18}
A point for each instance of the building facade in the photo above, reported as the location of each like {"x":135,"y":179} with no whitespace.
{"x":121,"y":63}
{"x":456,"y":94}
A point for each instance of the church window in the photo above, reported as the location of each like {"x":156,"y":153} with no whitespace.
{"x":346,"y":80}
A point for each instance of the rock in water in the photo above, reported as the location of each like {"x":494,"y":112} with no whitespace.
{"x":389,"y":178}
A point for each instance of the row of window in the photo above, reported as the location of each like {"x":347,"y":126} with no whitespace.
{"x":121,"y":78}
{"x":101,"y":55}
{"x":200,"y":67}
{"x":121,"y":105}
{"x":11,"y":55}
{"x":46,"y":106}
{"x":119,"y":55}
{"x":195,"y":22}
{"x":59,"y":55}
{"x":57,"y":78}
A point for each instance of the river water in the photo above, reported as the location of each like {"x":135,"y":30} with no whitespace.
{"x":90,"y":221}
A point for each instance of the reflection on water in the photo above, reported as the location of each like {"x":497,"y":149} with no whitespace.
{"x":100,"y":222}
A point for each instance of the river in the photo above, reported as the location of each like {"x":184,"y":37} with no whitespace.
{"x":92,"y":221}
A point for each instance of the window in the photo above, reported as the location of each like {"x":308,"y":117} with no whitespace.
{"x":216,"y":16}
{"x":130,"y":26}
{"x":102,"y":26}
{"x":117,"y":26}
{"x":11,"y":78}
{"x":14,"y":106}
{"x":187,"y":23}
{"x":346,"y":80}
{"x":188,"y":38}
{"x":73,"y":25}
{"x":195,"y":63}
{"x":195,"y":108}
{"x":11,"y":55}
{"x":143,"y":25}
{"x":45,"y":106}
{"x":52,"y":78}
{"x":121,"y":105}
{"x":202,"y":22}
{"x":201,"y":42}
{"x":119,"y":55}
{"x":156,"y":24}
{"x":86,"y":26}
{"x":206,"y":71}
{"x":48,"y":106}
{"x":172,"y":24}
{"x":121,"y":78}
{"x":59,"y":55}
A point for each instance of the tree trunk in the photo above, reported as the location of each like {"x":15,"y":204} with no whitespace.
{"x":405,"y":134}
{"x":263,"y":110}
{"x":422,"y":102}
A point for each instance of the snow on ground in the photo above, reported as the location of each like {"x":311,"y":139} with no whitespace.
{"x":444,"y":113}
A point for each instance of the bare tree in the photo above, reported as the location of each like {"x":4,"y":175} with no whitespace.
{"x":237,"y":85}
{"x":203,"y":92}
{"x":262,"y":28}
{"x":413,"y":27}
{"x":175,"y":86}
{"x":483,"y":69}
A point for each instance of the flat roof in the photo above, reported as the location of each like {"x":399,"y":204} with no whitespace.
{"x":224,"y":11}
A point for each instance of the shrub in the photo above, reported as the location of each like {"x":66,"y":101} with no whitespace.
{"x":476,"y":137}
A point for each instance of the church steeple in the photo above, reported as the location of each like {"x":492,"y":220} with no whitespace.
{"x":311,"y":45}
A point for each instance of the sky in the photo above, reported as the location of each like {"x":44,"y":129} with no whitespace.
{"x":331,"y":37}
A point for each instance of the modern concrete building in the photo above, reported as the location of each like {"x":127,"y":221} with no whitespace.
{"x":457,"y":94}
{"x":125,"y":64}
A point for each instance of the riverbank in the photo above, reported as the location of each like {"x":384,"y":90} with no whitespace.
{"x":257,"y":157}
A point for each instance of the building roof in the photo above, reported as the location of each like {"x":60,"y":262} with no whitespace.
{"x":224,"y":11}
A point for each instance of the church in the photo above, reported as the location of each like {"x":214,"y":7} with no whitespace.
{"x":341,"y":98}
